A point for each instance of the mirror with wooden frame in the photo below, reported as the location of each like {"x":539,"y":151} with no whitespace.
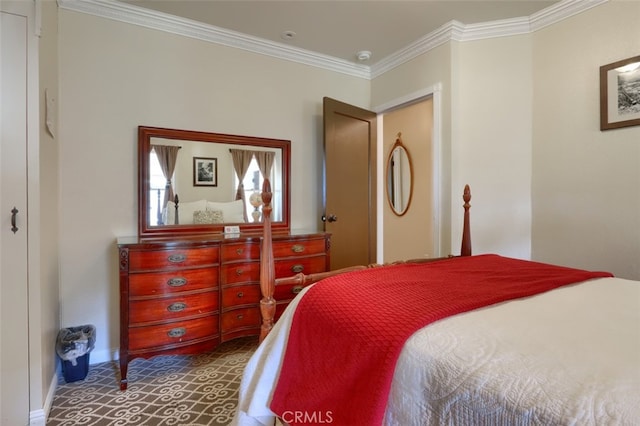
{"x":202,"y":194}
{"x":399,"y":179}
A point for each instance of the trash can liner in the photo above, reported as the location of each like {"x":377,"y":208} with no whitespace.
{"x":74,"y":342}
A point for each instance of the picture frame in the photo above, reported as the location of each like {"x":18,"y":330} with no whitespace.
{"x":205,"y":171}
{"x":620,"y":94}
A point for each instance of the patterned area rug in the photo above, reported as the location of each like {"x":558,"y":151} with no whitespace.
{"x":165,"y":390}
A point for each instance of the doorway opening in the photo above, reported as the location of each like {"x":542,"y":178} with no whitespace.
{"x":428,"y":173}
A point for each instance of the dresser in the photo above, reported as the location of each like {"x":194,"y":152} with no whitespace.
{"x":185,"y":295}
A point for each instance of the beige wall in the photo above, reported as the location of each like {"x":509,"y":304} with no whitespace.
{"x":116,"y":76}
{"x":586,"y":182}
{"x":44,"y":211}
{"x":426,"y":71}
{"x":520,"y":121}
{"x":509,"y":127}
{"x":486,"y":135}
{"x":410,"y":236}
{"x":491,"y":143}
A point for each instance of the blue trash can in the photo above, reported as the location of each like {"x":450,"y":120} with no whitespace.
{"x":73,"y":346}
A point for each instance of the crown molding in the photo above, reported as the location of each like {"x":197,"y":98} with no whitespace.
{"x":493,"y":29}
{"x":130,"y":14}
{"x":561,"y":10}
{"x":452,"y":31}
{"x":456,"y":31}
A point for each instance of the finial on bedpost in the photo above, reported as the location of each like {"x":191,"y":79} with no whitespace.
{"x":465,"y":250}
{"x":175,"y":205}
{"x":267,"y":268}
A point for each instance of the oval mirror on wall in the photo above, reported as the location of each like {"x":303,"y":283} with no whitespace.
{"x":399,"y":180}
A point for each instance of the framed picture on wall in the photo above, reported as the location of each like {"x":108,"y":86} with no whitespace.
{"x":205,"y":171}
{"x":620,"y":94}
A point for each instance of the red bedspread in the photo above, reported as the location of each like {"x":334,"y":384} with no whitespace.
{"x":348,"y":330}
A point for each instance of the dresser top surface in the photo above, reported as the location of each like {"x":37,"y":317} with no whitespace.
{"x":213,"y":238}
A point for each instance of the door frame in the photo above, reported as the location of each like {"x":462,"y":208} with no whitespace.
{"x":434,"y":92}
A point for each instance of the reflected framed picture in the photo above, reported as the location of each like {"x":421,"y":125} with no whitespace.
{"x":620,"y":94}
{"x":205,"y":171}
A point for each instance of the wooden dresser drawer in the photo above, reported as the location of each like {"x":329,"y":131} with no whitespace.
{"x":306,"y":265}
{"x":286,"y":292}
{"x":170,"y":308}
{"x":240,"y":251}
{"x":298,"y":248}
{"x":239,"y":318}
{"x":174,"y":258}
{"x":240,"y":295}
{"x":240,"y":272}
{"x":187,"y":294}
{"x":171,"y":334}
{"x":165,"y":283}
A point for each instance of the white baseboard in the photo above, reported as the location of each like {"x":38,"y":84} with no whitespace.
{"x":39,"y":417}
{"x":96,"y":357}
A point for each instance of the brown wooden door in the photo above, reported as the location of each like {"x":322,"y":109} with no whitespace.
{"x":350,"y":183}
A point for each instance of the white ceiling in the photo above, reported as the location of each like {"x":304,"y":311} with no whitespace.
{"x":340,"y":28}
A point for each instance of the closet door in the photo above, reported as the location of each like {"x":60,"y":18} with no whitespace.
{"x":14,"y":355}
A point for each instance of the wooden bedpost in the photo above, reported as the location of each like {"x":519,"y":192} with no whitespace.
{"x":267,"y":267}
{"x":176,"y":218}
{"x":268,"y":280}
{"x":465,"y":250}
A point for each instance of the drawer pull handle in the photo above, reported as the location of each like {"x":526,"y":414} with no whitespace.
{"x":297,"y":268}
{"x":239,"y":272}
{"x":177,"y":332}
{"x":240,"y":294}
{"x":296,"y":289}
{"x":177,"y":307}
{"x":177,"y":258}
{"x":298,"y":248}
{"x":240,"y":316}
{"x":239,"y":251}
{"x":177,"y":282}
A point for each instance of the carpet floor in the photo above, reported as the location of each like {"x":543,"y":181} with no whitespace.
{"x":165,"y":390}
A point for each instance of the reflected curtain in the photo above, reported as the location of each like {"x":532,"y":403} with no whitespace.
{"x":241,"y":160}
{"x":167,"y":157}
{"x":265,"y":162}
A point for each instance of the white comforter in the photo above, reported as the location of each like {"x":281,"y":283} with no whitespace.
{"x":570,"y":356}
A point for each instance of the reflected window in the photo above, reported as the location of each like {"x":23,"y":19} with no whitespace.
{"x":252,"y":183}
{"x":157,"y":184}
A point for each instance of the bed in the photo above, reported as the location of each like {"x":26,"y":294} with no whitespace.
{"x":203,"y":212}
{"x":491,"y":340}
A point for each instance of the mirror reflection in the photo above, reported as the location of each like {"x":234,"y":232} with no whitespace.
{"x":399,"y":178}
{"x":195,"y":182}
{"x":205,"y":179}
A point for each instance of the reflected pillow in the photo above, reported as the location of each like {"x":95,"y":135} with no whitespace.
{"x":185,"y":211}
{"x":233,"y":211}
{"x":208,"y":216}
